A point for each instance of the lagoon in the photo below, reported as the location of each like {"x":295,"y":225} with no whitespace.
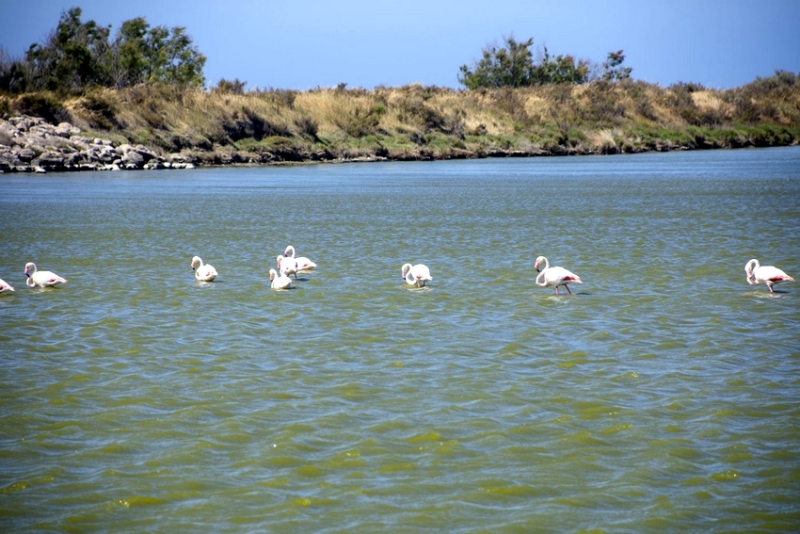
{"x":662,"y":395}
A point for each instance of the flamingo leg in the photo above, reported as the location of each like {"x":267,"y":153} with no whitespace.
{"x":770,"y":288}
{"x":557,"y":291}
{"x":568,"y":290}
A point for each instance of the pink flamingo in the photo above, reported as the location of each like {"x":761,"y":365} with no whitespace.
{"x":765,"y":274}
{"x":203,"y":273}
{"x":287,"y":266}
{"x":279,"y":281}
{"x":554,"y":276}
{"x":303,"y":263}
{"x":417,"y":275}
{"x":41,"y":278}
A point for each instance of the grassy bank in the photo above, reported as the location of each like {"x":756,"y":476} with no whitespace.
{"x":417,"y":122}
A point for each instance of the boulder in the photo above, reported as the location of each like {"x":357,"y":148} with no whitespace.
{"x":67,"y":130}
{"x":50,"y":160}
{"x":26,"y":155}
{"x":123,"y":149}
{"x":132,"y":159}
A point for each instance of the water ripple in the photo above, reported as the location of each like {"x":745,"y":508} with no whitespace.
{"x":661,"y":395}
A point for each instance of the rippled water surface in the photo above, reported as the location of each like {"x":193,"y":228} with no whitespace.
{"x":661,"y":395}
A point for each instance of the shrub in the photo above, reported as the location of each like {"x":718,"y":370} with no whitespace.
{"x":251,"y":125}
{"x":307,"y":126}
{"x":280,"y":97}
{"x":233,"y":87}
{"x":101,"y":110}
{"x":44,"y":105}
{"x":602,"y":105}
{"x":644,"y":107}
{"x":361,"y":124}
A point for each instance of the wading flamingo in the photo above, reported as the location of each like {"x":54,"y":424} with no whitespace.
{"x":765,"y":274}
{"x":279,"y":281}
{"x":303,"y":263}
{"x":41,"y":278}
{"x":204,"y":273}
{"x":554,"y":276}
{"x":287,"y":266}
{"x":5,"y":286}
{"x":418,"y":275}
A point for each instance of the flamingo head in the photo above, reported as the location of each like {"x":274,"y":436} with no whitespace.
{"x":29,"y":267}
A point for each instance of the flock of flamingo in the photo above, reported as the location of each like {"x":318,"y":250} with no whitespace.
{"x":414,"y":275}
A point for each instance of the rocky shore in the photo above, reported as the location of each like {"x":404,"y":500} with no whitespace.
{"x":31,"y":144}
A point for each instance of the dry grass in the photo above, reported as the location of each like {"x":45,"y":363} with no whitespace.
{"x":416,"y":121}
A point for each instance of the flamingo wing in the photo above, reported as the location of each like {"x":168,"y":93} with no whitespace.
{"x":769,"y":275}
{"x":206,"y":273}
{"x":305,"y":264}
{"x":46,"y":278}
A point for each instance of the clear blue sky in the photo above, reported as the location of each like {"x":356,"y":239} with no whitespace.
{"x":303,"y":44}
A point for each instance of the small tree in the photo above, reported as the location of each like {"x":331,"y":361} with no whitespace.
{"x":13,"y":74}
{"x":75,"y":55}
{"x":508,"y":66}
{"x":560,"y":69}
{"x":612,"y":69}
{"x":513,"y":66}
{"x":147,"y":55}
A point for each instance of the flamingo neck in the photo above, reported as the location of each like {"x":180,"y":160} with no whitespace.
{"x":288,"y":249}
{"x":541,"y":283}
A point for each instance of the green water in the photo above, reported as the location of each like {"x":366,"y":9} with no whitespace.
{"x":661,"y":396}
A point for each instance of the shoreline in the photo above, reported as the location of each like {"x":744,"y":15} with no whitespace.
{"x":32,"y":145}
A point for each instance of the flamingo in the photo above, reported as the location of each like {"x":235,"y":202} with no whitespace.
{"x":303,"y":263}
{"x":5,"y":286}
{"x":765,"y":274}
{"x":554,"y":276}
{"x":279,"y":281}
{"x":203,"y":273}
{"x":287,"y":266}
{"x":41,"y":278}
{"x":418,"y":275}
